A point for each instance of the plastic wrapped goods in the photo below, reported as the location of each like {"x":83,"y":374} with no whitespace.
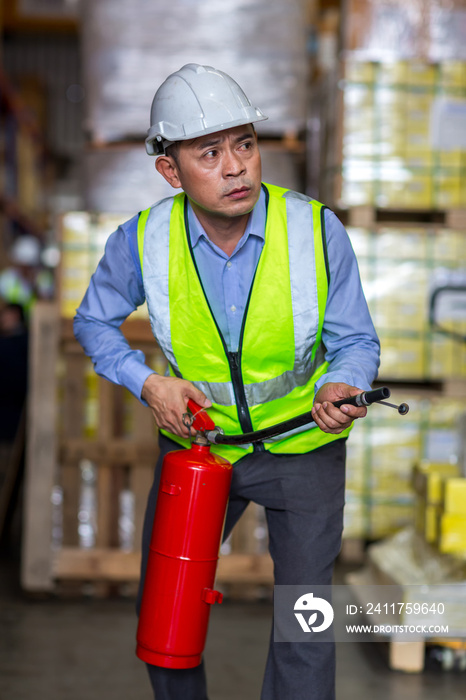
{"x":403,"y":138}
{"x":400,"y":268}
{"x":379,"y":30}
{"x":128,"y":53}
{"x":83,"y":238}
{"x":381,"y":453}
{"x":122,"y":179}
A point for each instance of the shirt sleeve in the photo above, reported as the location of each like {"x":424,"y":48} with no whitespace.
{"x":114,"y":292}
{"x":352,"y":345}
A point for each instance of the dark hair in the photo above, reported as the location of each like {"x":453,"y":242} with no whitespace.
{"x":173,"y":151}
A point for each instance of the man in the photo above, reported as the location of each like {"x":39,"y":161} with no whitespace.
{"x":18,"y":280}
{"x":254,"y":297}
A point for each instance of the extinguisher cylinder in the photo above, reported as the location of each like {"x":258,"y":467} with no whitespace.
{"x":186,"y":536}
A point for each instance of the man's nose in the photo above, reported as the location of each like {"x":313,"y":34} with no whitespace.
{"x":233,"y":164}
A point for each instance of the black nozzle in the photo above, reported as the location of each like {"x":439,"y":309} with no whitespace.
{"x":366,"y":398}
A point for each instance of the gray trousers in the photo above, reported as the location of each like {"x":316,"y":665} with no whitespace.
{"x":303,"y":496}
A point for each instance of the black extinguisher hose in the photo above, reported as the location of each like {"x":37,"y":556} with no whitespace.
{"x":366,"y":398}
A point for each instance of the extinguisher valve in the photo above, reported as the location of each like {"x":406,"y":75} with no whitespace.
{"x":211,"y":435}
{"x":210,"y":596}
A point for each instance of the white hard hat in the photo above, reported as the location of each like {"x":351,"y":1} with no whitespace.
{"x":25,"y":251}
{"x":194,"y":101}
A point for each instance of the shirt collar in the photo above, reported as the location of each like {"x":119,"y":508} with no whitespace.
{"x":255,"y":225}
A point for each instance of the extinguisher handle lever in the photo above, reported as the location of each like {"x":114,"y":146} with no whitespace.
{"x":201,"y":420}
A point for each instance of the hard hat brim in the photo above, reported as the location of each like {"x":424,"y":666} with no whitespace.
{"x":156,"y":145}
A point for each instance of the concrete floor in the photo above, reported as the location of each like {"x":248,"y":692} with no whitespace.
{"x":75,"y":649}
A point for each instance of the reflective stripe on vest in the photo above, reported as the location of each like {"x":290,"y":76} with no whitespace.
{"x":280,"y":355}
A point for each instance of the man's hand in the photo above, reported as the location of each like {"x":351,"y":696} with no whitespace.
{"x":329,"y":418}
{"x":168,"y":398}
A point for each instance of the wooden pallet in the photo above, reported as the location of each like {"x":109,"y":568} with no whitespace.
{"x":408,"y":656}
{"x":371,"y":217}
{"x":56,"y":447}
{"x":414,"y":553}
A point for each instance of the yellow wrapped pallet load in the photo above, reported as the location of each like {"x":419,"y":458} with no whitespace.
{"x":83,"y":239}
{"x":381,"y":493}
{"x":453,"y":519}
{"x":399,"y":268}
{"x":427,"y":481}
{"x":453,"y":535}
{"x":455,"y":496}
{"x":401,"y":146}
{"x":75,"y":265}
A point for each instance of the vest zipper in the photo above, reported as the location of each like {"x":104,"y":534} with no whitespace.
{"x":234,"y":358}
{"x":240,"y":396}
{"x":238,"y":387}
{"x":235,"y":369}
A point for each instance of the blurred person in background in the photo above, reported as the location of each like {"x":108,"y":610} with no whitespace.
{"x":26,"y":279}
{"x":255,"y":299}
{"x":17,"y":282}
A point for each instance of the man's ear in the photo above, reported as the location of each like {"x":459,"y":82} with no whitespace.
{"x":166,"y":166}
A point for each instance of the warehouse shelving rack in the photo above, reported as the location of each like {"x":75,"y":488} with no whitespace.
{"x":21,"y":213}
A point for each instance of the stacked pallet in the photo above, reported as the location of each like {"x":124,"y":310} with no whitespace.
{"x":402,"y":266}
{"x":408,"y":585}
{"x":393,"y":116}
{"x":380,"y":454}
{"x":395,"y":108}
{"x":400,"y":142}
{"x":261,"y":44}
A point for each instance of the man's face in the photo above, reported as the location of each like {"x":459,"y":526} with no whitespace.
{"x":221,"y":172}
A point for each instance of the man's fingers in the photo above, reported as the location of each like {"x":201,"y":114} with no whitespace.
{"x":325,"y":421}
{"x":197,"y":395}
{"x":331,"y":419}
{"x":168,"y":398}
{"x":173,"y":423}
{"x":353,"y":411}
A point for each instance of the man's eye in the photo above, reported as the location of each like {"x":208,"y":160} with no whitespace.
{"x":247,"y":145}
{"x":211,"y":154}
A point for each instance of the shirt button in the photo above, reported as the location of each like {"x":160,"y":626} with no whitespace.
{"x":233,"y":308}
{"x":229,"y":263}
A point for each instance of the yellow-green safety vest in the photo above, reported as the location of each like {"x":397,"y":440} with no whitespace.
{"x":280,"y":356}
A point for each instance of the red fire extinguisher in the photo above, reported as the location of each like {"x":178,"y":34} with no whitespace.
{"x":186,"y":535}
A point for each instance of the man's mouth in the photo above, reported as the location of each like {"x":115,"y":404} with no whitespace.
{"x":238,"y":193}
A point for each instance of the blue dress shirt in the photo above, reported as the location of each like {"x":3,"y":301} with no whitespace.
{"x":116,"y":290}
